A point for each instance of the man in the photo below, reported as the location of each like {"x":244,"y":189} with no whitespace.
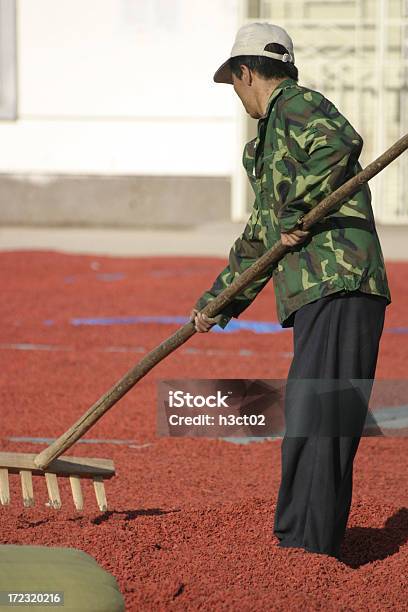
{"x":331,"y":286}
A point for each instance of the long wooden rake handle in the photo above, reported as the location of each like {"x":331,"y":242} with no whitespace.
{"x":67,"y":439}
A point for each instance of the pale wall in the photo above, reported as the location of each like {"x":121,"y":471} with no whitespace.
{"x":122,"y":87}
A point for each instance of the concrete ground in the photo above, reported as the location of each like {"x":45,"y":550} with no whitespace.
{"x":210,"y":239}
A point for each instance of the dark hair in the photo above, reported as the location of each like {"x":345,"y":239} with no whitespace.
{"x":266,"y":67}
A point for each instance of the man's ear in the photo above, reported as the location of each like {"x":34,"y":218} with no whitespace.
{"x":246,"y":75}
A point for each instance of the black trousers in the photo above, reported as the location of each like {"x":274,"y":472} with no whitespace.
{"x":335,"y":337}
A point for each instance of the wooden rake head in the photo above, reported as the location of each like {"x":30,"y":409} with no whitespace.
{"x":73,"y":468}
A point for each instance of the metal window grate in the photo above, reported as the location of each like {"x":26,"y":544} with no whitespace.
{"x":356,"y":53}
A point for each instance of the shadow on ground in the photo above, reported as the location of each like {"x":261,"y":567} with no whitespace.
{"x":130,"y":515}
{"x":364,"y":545}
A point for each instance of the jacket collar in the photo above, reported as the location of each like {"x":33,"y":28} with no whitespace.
{"x":276,"y":92}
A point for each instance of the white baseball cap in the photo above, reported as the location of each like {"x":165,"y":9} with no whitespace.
{"x":252,"y":39}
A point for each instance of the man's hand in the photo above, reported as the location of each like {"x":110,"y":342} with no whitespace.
{"x":294,"y":238}
{"x":202,"y":323}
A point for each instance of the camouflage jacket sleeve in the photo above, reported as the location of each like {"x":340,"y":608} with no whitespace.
{"x":244,"y":252}
{"x":321,"y":149}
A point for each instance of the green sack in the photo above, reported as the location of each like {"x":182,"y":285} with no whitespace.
{"x":86,"y":586}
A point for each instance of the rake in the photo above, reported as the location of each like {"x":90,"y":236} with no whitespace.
{"x":47,"y":463}
{"x":73,"y":468}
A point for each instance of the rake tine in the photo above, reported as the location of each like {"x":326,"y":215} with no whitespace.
{"x":54,"y":498}
{"x":27,"y":488}
{"x":100,"y":493}
{"x":4,"y":487}
{"x":77,"y":492}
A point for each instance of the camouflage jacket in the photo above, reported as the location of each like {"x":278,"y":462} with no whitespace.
{"x":304,"y":150}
